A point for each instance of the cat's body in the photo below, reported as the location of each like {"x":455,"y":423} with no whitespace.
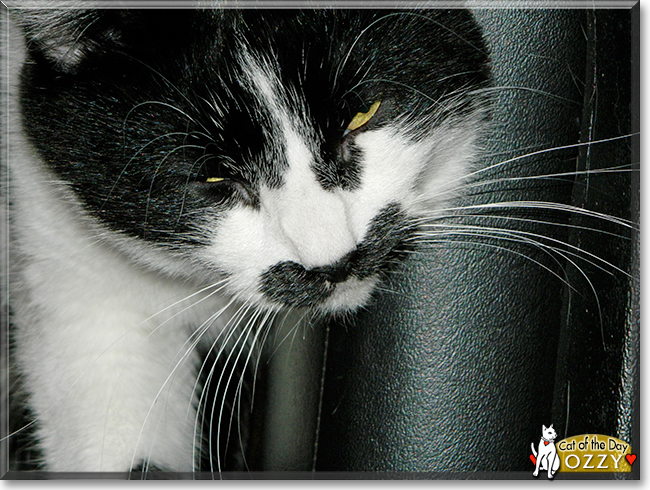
{"x":546,"y":455}
{"x":180,"y":178}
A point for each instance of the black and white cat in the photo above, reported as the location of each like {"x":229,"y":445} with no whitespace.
{"x":181,"y":178}
{"x":184,"y":181}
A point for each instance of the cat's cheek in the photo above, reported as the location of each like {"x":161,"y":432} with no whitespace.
{"x":242,"y":249}
{"x":391,"y":166}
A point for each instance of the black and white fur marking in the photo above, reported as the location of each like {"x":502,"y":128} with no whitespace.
{"x":179,"y":177}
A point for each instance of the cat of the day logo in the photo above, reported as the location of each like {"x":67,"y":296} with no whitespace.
{"x":586,"y":453}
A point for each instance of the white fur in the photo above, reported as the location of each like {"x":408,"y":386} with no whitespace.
{"x":100,"y":325}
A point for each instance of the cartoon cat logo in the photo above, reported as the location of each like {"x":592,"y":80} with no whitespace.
{"x":546,"y":458}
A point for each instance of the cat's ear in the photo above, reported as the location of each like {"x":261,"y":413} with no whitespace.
{"x":65,"y":37}
{"x":543,"y":428}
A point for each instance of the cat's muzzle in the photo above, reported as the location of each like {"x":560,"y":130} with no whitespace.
{"x":291,"y":284}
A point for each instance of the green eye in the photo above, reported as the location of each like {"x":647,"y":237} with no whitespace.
{"x":362,"y":118}
{"x":214,"y":179}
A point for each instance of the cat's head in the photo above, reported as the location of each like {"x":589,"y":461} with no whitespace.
{"x":549,"y":433}
{"x":290,"y":153}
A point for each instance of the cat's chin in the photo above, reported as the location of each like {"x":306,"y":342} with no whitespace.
{"x":346,"y":298}
{"x":349,"y":296}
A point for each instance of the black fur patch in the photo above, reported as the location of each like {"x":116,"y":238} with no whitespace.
{"x":340,"y":168}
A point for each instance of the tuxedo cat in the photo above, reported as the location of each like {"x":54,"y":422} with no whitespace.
{"x":183,"y":182}
{"x":181,"y":179}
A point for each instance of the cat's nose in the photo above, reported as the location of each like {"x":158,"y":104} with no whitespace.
{"x":339,"y":271}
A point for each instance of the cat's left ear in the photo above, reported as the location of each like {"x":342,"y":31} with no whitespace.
{"x":65,"y":37}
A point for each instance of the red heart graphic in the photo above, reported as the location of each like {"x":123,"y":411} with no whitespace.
{"x":631,"y":458}
{"x":533,"y":459}
{"x":546,"y":443}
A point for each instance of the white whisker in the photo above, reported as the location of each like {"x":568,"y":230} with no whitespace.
{"x":548,"y":205}
{"x":228,"y":330}
{"x":462,"y":181}
{"x":241,"y":339}
{"x":533,"y":238}
{"x":193,"y":341}
{"x":424,"y":222}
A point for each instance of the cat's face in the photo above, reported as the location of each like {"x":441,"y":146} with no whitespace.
{"x":549,"y":433}
{"x":289,"y":154}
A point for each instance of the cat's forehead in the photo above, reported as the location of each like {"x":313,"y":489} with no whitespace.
{"x":269,"y":122}
{"x":296,"y":145}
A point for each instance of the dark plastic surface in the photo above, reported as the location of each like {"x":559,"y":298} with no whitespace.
{"x":485,"y":340}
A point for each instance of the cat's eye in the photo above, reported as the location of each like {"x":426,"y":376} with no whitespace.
{"x":221,"y":190}
{"x":362,"y":118}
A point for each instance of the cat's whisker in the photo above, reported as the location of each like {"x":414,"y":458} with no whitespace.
{"x":342,"y":64}
{"x":153,"y":178}
{"x":448,"y":238}
{"x":193,"y":341}
{"x":532,"y":238}
{"x":269,"y":327}
{"x":241,"y":341}
{"x":451,"y":31}
{"x":545,"y":205}
{"x":393,"y":292}
{"x":611,"y":170}
{"x":424,"y":221}
{"x":389,"y":16}
{"x":475,"y":173}
{"x":199,"y":161}
{"x":467,"y":186}
{"x":394,"y":82}
{"x":291,"y":333}
{"x":62,"y":397}
{"x":550,"y":95}
{"x":254,"y":347}
{"x":549,"y":250}
{"x":231,"y":328}
{"x":219,"y":287}
{"x":298,"y":326}
{"x":176,"y":89}
{"x":227,"y":332}
{"x":163,"y":104}
{"x":128,"y":163}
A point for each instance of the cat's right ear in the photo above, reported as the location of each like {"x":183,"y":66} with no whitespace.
{"x":65,"y":37}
